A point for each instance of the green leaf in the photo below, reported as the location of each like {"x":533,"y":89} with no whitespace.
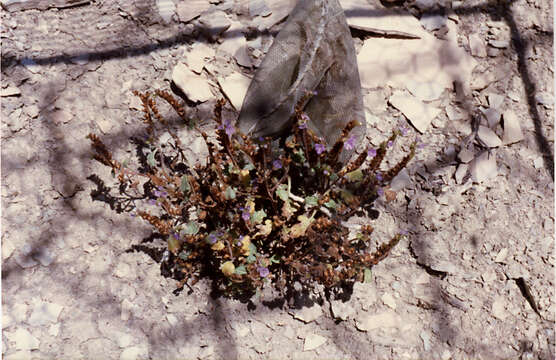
{"x":173,"y":244}
{"x":282,"y":192}
{"x":274,"y":260}
{"x":331,"y":204}
{"x":240,"y":270}
{"x":184,"y":186}
{"x":252,"y":249}
{"x":184,"y":255}
{"x":367,"y":275}
{"x":311,"y":201}
{"x":230,"y":193}
{"x":191,"y":228}
{"x":150,"y":158}
{"x":356,"y":175}
{"x":125,"y":163}
{"x":333,"y":177}
{"x":258,"y":216}
{"x":251,"y":259}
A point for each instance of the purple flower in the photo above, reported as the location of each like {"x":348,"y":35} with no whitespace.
{"x":152,"y":202}
{"x":212,"y":238}
{"x":277,"y":164}
{"x":390,"y":143}
{"x":229,"y":128}
{"x":404,"y":130}
{"x":404,"y":232}
{"x":378,"y":176}
{"x":132,"y":214}
{"x":319,"y":148}
{"x":261,"y":139}
{"x":246,"y":215}
{"x":160,"y":192}
{"x":371,"y":153}
{"x":325,"y":172}
{"x":263,"y":271}
{"x":380,"y":191}
{"x":176,"y":235}
{"x":350,"y":143}
{"x":420,"y":146}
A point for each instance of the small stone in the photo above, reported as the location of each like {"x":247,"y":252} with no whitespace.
{"x":419,"y":113}
{"x":80,"y":59}
{"x":214,"y":22}
{"x":433,"y":22}
{"x":466,"y":155}
{"x":538,"y":162}
{"x":512,"y":129}
{"x":198,"y":56}
{"x":23,"y":339}
{"x":493,"y":116}
{"x":54,"y":330}
{"x":7,"y":248}
{"x":493,"y":52}
{"x":172,"y":319}
{"x":488,"y":276}
{"x":24,"y":259}
{"x":389,"y":300}
{"x":307,"y":314}
{"x":477,"y":45}
{"x":499,"y":44}
{"x":483,"y":167}
{"x":501,"y":256}
{"x":400,"y":181}
{"x":341,"y":310}
{"x":235,"y":87}
{"x":313,"y":341}
{"x":61,"y":117}
{"x":488,"y":137}
{"x":236,"y":46}
{"x":495,"y":101}
{"x":124,"y":340}
{"x":195,"y":87}
{"x":258,"y":8}
{"x":498,"y":309}
{"x":425,"y":91}
{"x":32,"y":111}
{"x":134,"y":353}
{"x":123,"y":270}
{"x":45,"y":313}
{"x":166,"y":9}
{"x":386,"y":319}
{"x":453,"y":113}
{"x":426,"y":337}
{"x":461,"y":172}
{"x":190,"y":9}
{"x":10,"y":91}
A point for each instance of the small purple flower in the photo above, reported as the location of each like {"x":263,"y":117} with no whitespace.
{"x":132,"y":214}
{"x":276,"y":164}
{"x":404,"y":130}
{"x":305,"y":117}
{"x":160,"y":193}
{"x":263,"y":271}
{"x":378,"y":176}
{"x":319,"y":148}
{"x":325,"y":172}
{"x":229,"y":128}
{"x":261,"y":139}
{"x":380,"y":191}
{"x":212,"y":238}
{"x":152,"y":202}
{"x":176,"y":235}
{"x":420,"y":146}
{"x":350,"y":143}
{"x":246,"y":215}
{"x":404,"y":232}
{"x":371,"y":153}
{"x":390,"y":143}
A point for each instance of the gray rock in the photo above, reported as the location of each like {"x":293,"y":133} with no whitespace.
{"x":214,"y":23}
{"x":190,"y":9}
{"x":433,"y":22}
{"x":512,"y":128}
{"x":401,"y":181}
{"x":10,"y":91}
{"x":313,"y":52}
{"x":483,"y":167}
{"x":166,"y":9}
{"x":258,"y":8}
{"x":493,"y":116}
{"x":477,"y":45}
{"x":194,"y":86}
{"x":45,"y":313}
{"x":16,"y":5}
{"x":488,"y":137}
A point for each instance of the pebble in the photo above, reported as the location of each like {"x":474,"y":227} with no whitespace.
{"x":307,"y":314}
{"x":466,"y":155}
{"x":258,"y":8}
{"x":401,"y":181}
{"x":166,"y":8}
{"x":492,"y":115}
{"x":24,"y":259}
{"x":426,"y":337}
{"x":190,"y":9}
{"x":32,"y":111}
{"x":498,"y":309}
{"x":10,"y":91}
{"x":342,"y":310}
{"x":488,"y":137}
{"x":545,"y":99}
{"x":198,"y":56}
{"x":433,"y":22}
{"x":172,"y":319}
{"x":235,"y":87}
{"x":483,"y":167}
{"x":195,"y":87}
{"x":453,"y":113}
{"x":80,"y":59}
{"x":31,"y":65}
{"x":54,"y":330}
{"x":236,"y":45}
{"x":512,"y":128}
{"x":386,"y":319}
{"x":461,"y":172}
{"x":417,"y":112}
{"x":45,"y":313}
{"x":477,"y":45}
{"x":124,"y":340}
{"x":495,"y":100}
{"x":313,"y":341}
{"x":23,"y":339}
{"x":501,"y":256}
{"x":499,"y":44}
{"x":214,"y":23}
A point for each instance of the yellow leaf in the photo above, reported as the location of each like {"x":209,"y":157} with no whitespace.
{"x":265,"y":229}
{"x":245,"y":242}
{"x":228,"y":268}
{"x":299,"y":229}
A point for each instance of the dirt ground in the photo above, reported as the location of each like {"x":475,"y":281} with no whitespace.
{"x":474,"y":278}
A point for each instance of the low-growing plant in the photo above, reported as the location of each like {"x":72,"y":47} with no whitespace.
{"x":259,"y":211}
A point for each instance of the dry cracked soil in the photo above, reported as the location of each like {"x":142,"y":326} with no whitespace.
{"x":474,"y":278}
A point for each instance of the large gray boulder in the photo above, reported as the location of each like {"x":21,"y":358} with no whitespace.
{"x":314,"y":51}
